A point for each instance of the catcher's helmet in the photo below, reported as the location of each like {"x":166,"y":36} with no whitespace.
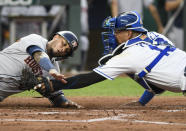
{"x":125,"y":21}
{"x":72,"y":40}
{"x":129,"y":21}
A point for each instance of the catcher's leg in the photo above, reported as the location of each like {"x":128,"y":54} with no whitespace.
{"x":59,"y":100}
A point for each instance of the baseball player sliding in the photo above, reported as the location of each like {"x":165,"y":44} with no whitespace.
{"x":149,"y":58}
{"x":34,"y":53}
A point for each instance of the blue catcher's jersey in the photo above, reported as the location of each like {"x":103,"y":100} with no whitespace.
{"x":139,"y":52}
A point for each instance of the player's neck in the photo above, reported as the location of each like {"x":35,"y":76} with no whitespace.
{"x":135,"y":34}
{"x":48,"y":49}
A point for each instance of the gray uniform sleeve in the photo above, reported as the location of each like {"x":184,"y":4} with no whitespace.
{"x":33,"y":39}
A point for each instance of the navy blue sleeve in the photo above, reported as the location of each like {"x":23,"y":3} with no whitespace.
{"x":34,"y":48}
{"x":78,"y":81}
{"x":44,"y":62}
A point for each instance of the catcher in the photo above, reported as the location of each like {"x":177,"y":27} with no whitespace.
{"x":149,"y":58}
{"x":34,"y":53}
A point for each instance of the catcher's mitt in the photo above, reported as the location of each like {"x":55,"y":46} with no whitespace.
{"x":39,"y":83}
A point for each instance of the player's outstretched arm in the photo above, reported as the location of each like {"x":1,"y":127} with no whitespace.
{"x":78,"y":81}
{"x":75,"y":82}
{"x":44,"y":61}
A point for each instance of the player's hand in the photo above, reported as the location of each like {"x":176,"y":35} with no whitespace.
{"x":57,"y":75}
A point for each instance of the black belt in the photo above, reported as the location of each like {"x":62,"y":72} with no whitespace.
{"x":185,"y":72}
{"x":184,"y":92}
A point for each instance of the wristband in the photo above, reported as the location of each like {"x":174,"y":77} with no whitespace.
{"x":46,"y":64}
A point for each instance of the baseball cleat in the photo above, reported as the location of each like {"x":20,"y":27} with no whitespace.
{"x":62,"y":102}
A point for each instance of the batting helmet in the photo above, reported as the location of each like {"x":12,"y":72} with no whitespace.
{"x":72,"y":41}
{"x":71,"y":38}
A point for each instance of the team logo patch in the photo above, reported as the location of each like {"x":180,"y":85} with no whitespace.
{"x":143,"y":37}
{"x":74,"y":44}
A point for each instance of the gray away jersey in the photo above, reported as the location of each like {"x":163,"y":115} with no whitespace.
{"x":15,"y":58}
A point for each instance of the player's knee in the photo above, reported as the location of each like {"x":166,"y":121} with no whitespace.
{"x":57,"y":98}
{"x":157,"y":90}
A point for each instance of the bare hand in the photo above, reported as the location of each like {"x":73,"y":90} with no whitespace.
{"x":57,"y":76}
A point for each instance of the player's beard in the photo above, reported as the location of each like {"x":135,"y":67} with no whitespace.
{"x":51,"y":53}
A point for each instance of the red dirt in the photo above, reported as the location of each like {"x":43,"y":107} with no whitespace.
{"x":101,"y":113}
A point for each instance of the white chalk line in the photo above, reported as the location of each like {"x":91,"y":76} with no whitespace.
{"x":61,"y":113}
{"x":120,"y":117}
{"x":51,"y":113}
{"x":173,"y":110}
{"x":43,"y":113}
{"x":158,"y":123}
{"x":72,"y":113}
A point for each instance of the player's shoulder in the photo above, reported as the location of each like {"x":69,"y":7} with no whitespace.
{"x":33,"y":37}
{"x":154,"y":35}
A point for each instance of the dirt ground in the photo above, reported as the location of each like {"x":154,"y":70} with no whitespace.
{"x":101,"y":113}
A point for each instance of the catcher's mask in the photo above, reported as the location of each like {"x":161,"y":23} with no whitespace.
{"x":72,"y":40}
{"x":125,"y":21}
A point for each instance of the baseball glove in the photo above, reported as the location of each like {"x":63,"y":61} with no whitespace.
{"x":28,"y":79}
{"x":45,"y":87}
{"x":39,"y":83}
